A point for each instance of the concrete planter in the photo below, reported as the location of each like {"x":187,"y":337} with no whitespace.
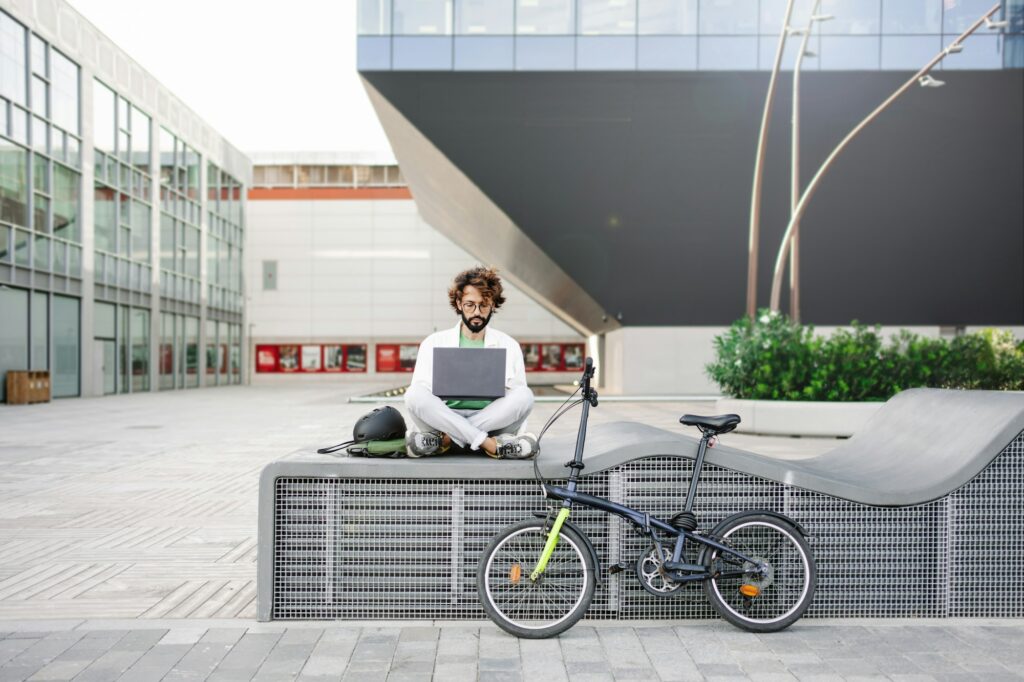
{"x":797,"y":418}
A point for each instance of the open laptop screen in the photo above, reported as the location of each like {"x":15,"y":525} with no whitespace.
{"x":469,"y":373}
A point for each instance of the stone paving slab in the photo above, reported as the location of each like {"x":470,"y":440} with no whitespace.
{"x":910,"y":650}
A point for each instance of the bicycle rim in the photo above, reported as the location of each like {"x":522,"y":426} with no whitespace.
{"x":550,"y":601}
{"x":783,"y":593}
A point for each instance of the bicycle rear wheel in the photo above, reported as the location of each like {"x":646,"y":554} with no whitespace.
{"x":552,"y":604}
{"x":774,"y":598}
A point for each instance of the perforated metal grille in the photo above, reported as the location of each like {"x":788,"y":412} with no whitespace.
{"x":397,"y":548}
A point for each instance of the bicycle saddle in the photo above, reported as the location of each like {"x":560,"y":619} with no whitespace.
{"x":722,"y":423}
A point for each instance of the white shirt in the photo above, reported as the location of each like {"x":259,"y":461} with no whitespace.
{"x":515,"y":370}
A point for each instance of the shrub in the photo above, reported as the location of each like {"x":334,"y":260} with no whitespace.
{"x":773,"y":358}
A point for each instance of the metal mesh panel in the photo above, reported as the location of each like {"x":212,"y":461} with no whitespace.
{"x":408,"y":548}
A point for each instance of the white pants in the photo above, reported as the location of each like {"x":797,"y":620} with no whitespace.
{"x":469,"y":427}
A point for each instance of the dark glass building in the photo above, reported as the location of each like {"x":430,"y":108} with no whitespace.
{"x":602,"y":152}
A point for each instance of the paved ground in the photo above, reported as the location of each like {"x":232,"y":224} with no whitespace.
{"x":712,"y":650}
{"x":127,"y":548}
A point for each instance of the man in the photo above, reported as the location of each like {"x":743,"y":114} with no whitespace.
{"x":491,"y":426}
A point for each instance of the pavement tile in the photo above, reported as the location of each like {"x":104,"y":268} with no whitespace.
{"x":223,"y":636}
{"x":486,"y":663}
{"x":17,"y":673}
{"x":110,"y":666}
{"x":720,"y":669}
{"x":201,"y":660}
{"x":365,"y":676}
{"x":284,"y":661}
{"x":576,"y":667}
{"x":155,"y":663}
{"x":300,"y":636}
{"x":460,"y":672}
{"x":591,"y":677}
{"x":634,"y":674}
{"x":140,"y":640}
{"x":246,"y":656}
{"x":420,"y":634}
{"x":500,"y":676}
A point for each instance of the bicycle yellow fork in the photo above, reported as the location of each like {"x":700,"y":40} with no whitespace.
{"x":549,"y":546}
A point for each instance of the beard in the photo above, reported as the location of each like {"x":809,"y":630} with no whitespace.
{"x":476,"y":323}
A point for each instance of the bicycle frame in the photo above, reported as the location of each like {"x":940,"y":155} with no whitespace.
{"x":644,"y":522}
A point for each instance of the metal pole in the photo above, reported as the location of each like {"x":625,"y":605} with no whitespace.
{"x":794,"y":179}
{"x":780,"y":260}
{"x":755,"y":195}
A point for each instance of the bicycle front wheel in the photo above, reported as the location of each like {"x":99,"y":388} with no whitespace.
{"x":535,"y":609}
{"x":774,"y":597}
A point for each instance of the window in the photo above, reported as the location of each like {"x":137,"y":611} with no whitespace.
{"x":667,"y":17}
{"x":270,"y":275}
{"x":12,"y":59}
{"x":374,"y":17}
{"x":394,"y":357}
{"x":483,"y":17}
{"x":607,"y":17}
{"x":14,"y":332}
{"x":313,"y":358}
{"x":553,"y":357}
{"x":66,"y":347}
{"x":422,"y":17}
{"x":551,"y":17}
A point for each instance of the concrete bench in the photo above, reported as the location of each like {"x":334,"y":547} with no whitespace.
{"x":919,"y":514}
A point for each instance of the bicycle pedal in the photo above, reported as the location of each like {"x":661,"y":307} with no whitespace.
{"x":618,"y":568}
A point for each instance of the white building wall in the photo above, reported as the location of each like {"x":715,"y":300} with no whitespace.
{"x":365,"y":271}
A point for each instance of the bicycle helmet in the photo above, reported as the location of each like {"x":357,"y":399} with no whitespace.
{"x":383,"y":423}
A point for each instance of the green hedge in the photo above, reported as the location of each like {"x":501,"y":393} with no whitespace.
{"x":773,"y":358}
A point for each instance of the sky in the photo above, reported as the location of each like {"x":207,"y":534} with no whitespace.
{"x":269,"y":76}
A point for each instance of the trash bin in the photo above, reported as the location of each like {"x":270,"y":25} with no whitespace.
{"x":27,"y":387}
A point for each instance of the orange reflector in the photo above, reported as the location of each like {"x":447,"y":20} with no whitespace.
{"x":515,"y":573}
{"x":749,"y":590}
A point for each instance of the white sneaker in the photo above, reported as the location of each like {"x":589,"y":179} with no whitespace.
{"x":511,"y":446}
{"x":424,"y":443}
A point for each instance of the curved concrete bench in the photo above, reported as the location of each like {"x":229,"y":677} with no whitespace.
{"x":905,"y":517}
{"x":921,"y":445}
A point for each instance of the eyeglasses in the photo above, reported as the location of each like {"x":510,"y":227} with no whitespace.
{"x":472,"y":306}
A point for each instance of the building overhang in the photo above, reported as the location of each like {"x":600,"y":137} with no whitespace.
{"x":453,"y":205}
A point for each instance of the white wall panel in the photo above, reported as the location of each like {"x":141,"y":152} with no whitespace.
{"x":350,"y":270}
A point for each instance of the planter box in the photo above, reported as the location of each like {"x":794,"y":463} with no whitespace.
{"x":798,"y":418}
{"x":27,"y":387}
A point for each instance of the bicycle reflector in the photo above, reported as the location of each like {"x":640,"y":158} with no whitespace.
{"x":515,"y":573}
{"x":749,"y":590}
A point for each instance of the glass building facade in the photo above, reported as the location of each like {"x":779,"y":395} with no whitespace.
{"x":678,"y":35}
{"x":107,"y":213}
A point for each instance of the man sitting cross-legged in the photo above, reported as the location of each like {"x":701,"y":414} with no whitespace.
{"x":491,"y":426}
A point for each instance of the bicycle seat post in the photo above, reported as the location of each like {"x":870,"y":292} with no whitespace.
{"x":697,"y":466}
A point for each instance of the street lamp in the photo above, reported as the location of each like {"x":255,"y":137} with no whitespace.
{"x":794,"y":183}
{"x":925,"y":80}
{"x":755,"y":194}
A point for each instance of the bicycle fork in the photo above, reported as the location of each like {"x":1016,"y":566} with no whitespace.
{"x":549,"y":546}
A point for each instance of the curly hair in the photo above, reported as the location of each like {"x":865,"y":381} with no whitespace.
{"x":484,"y":279}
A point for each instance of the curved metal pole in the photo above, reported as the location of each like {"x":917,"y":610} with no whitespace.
{"x":755,"y":194}
{"x":794,"y":177}
{"x":780,"y":260}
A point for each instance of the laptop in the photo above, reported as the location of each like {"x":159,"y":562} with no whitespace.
{"x":469,"y":373}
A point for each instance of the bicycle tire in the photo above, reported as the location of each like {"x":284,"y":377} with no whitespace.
{"x":786,"y":589}
{"x":552,"y":604}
